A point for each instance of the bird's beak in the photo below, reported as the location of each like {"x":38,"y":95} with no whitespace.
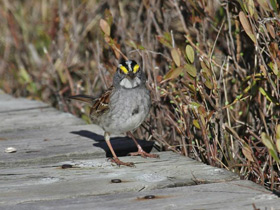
{"x":131,"y":75}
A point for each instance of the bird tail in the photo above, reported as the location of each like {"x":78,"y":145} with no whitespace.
{"x":84,"y":98}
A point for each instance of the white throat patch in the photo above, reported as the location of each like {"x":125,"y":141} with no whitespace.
{"x":126,"y":83}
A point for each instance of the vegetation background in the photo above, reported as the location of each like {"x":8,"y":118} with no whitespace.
{"x":213,"y":70}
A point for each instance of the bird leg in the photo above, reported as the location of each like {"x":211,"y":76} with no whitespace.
{"x":115,"y":159}
{"x":140,"y":151}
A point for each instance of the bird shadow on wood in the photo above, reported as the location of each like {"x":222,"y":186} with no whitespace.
{"x":121,"y":145}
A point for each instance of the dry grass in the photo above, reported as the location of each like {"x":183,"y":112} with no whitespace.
{"x":212,"y":66}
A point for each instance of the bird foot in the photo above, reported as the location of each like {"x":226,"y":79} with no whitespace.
{"x":143,"y":154}
{"x":119,"y":162}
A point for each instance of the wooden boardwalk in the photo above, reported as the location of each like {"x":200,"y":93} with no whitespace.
{"x":60,"y":163}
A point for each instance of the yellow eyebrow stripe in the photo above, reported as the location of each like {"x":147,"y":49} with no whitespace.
{"x":135,"y":68}
{"x":124,"y":69}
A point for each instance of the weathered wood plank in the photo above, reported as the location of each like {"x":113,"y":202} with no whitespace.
{"x":9,"y":104}
{"x":230,"y":195}
{"x":35,"y":118}
{"x":93,"y":177}
{"x":21,"y":113}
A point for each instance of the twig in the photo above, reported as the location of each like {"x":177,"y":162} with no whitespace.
{"x":227,"y":109}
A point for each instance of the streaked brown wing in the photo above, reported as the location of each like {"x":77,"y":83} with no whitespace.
{"x":84,"y":98}
{"x":102,"y":103}
{"x":99,"y":105}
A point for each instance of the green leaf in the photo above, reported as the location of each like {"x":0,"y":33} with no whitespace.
{"x":274,"y":5}
{"x":274,"y":154}
{"x":140,"y":47}
{"x":278,"y":137}
{"x":278,"y":145}
{"x":250,"y":87}
{"x":268,"y":96}
{"x":135,"y":45}
{"x":274,"y":67}
{"x":190,"y":69}
{"x":176,"y":56}
{"x":190,"y":53}
{"x":270,"y":146}
{"x":196,"y":124}
{"x":205,"y":67}
{"x":31,"y":87}
{"x":194,"y":105}
{"x":267,"y":141}
{"x":191,"y":87}
{"x":251,"y":7}
{"x":165,"y":39}
{"x":208,"y":82}
{"x":24,"y":76}
{"x":26,"y":79}
{"x":132,"y":44}
{"x":278,"y":131}
{"x":173,"y":73}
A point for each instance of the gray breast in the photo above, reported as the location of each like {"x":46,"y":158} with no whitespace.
{"x":128,"y":109}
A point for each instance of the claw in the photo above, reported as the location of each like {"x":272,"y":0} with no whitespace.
{"x":119,"y":162}
{"x":140,"y":151}
{"x":143,"y":154}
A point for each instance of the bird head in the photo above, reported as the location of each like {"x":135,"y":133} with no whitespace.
{"x":129,"y":74}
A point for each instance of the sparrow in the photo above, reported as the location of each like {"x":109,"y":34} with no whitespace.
{"x":123,"y":107}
